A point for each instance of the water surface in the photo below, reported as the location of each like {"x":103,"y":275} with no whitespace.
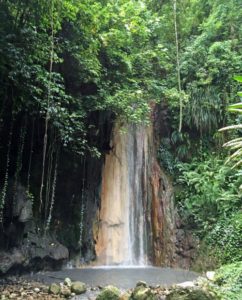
{"x":122,"y":277}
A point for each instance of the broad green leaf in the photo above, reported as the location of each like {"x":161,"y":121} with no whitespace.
{"x":235,"y":110}
{"x":236,"y":105}
{"x":231,"y":127}
{"x":238,"y":78}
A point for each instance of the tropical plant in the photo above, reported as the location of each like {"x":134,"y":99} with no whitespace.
{"x":235,"y":145}
{"x":227,"y":283}
{"x":209,"y":191}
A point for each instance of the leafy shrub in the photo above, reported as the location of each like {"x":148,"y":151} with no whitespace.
{"x":226,"y":238}
{"x":228,"y":282}
{"x":209,"y":191}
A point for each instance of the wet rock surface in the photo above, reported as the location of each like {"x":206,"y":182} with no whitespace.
{"x":22,"y":289}
{"x":19,"y":289}
{"x":78,"y":287}
{"x":36,"y":253}
{"x":186,"y":245}
{"x":109,"y":293}
{"x":195,"y":293}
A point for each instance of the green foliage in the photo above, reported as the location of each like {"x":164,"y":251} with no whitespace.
{"x":174,"y":150}
{"x":120,"y":57}
{"x":225,"y":238}
{"x":166,"y":157}
{"x":104,"y":59}
{"x":204,"y":111}
{"x":209,"y":191}
{"x":210,"y":54}
{"x":235,"y":145}
{"x":228,"y":282}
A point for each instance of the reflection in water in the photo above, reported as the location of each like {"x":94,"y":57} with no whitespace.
{"x":124,"y":278}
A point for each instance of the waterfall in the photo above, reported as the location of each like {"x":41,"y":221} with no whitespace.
{"x":122,"y":236}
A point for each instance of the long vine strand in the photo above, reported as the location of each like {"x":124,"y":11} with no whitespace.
{"x":48,"y":176}
{"x":19,"y":159}
{"x":5,"y":185}
{"x":82,"y":203}
{"x":30,"y":155}
{"x":178,"y":64}
{"x":48,"y":222}
{"x":47,"y":116}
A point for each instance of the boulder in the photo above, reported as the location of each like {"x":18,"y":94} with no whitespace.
{"x":67,"y":282}
{"x":10,"y":260}
{"x":45,"y":247}
{"x":35,"y":253}
{"x":109,"y":293}
{"x":36,"y":290}
{"x":65,"y":291}
{"x":189,"y":294}
{"x":142,"y":292}
{"x":78,"y":287}
{"x":125,"y":296}
{"x":141,"y":283}
{"x":210,"y":275}
{"x":55,"y":289}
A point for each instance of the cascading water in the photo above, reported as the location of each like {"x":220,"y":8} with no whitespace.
{"x":122,"y":236}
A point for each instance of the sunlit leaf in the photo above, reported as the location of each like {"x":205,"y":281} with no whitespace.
{"x":238,"y":78}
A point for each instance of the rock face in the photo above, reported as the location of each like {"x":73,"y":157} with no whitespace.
{"x":10,"y":260}
{"x":45,"y":247}
{"x":186,"y":245}
{"x":136,"y":203}
{"x":163,"y":221}
{"x":109,"y":293}
{"x":77,"y":188}
{"x":36,"y":252}
{"x":23,"y":205}
{"x":23,"y":246}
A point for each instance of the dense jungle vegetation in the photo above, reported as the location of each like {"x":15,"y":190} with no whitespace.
{"x":62,"y":62}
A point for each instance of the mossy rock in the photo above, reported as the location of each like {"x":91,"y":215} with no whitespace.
{"x":78,"y":288}
{"x":125,"y":296}
{"x":55,"y":289}
{"x":142,"y":292}
{"x":190,"y":294}
{"x":109,"y":293}
{"x":67,"y":282}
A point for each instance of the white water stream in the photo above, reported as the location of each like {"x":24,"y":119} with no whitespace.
{"x":122,"y":234}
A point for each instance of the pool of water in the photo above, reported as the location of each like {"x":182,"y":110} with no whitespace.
{"x":122,"y":277}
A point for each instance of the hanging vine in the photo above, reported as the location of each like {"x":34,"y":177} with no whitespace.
{"x":48,"y":222}
{"x":5,"y":184}
{"x":178,"y":64}
{"x":30,"y":155}
{"x":19,"y":159}
{"x":49,"y":174}
{"x":82,"y":202}
{"x":47,"y":116}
